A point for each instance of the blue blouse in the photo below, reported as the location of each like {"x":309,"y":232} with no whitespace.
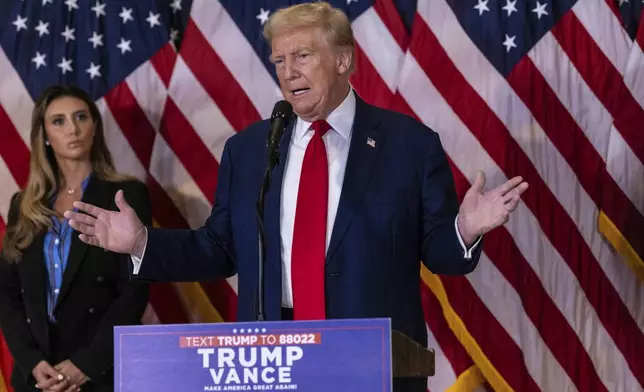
{"x":56,"y":248}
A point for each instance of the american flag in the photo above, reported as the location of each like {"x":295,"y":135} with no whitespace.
{"x":549,"y":90}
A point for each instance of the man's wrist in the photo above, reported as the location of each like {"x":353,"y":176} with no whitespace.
{"x":468,"y":235}
{"x":141,"y":240}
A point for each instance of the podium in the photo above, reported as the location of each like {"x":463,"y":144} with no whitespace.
{"x":410,"y":359}
{"x":330,"y":355}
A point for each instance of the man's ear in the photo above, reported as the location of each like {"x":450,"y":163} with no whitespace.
{"x":345,"y":59}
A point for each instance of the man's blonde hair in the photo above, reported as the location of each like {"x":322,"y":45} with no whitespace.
{"x":333,"y":21}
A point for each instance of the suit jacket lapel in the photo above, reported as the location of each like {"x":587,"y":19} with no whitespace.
{"x":273,"y":267}
{"x":362,"y":156}
{"x":94,"y":194}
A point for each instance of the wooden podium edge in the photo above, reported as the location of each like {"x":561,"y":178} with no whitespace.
{"x":410,"y":359}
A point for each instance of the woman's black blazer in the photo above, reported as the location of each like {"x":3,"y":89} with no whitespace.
{"x":96,"y":294}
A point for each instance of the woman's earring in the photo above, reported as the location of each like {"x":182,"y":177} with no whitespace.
{"x":46,"y":142}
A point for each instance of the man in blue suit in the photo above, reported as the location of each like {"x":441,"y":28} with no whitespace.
{"x":359,"y":198}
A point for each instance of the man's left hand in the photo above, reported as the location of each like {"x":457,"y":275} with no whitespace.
{"x":481,"y":212}
{"x":73,"y":374}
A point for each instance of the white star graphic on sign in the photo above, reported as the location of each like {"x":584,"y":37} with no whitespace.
{"x":540,"y":10}
{"x":153,"y":19}
{"x":65,"y":65}
{"x":510,"y":7}
{"x":42,"y":28}
{"x":482,"y":6}
{"x":176,"y":6}
{"x":99,"y":9}
{"x":509,"y":42}
{"x":96,"y":39}
{"x":44,"y":2}
{"x":126,"y":14}
{"x":39,"y":60}
{"x":256,"y":330}
{"x":94,"y":70}
{"x":71,"y":4}
{"x":241,"y":330}
{"x":68,"y":34}
{"x":263,"y":15}
{"x":124,"y":46}
{"x":20,"y":23}
{"x":263,"y":329}
{"x":235,"y":330}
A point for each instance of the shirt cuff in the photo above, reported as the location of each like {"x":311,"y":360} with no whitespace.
{"x":467,"y":253}
{"x":136,"y":262}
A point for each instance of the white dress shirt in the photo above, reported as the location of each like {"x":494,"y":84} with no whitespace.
{"x":337,"y":141}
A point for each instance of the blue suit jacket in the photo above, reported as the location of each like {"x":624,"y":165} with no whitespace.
{"x":397,"y":207}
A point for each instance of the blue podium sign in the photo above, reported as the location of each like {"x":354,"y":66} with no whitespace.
{"x":311,"y":356}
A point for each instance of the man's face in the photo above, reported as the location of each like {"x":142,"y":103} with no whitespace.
{"x":312,"y":73}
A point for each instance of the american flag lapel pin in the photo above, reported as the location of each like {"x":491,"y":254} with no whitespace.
{"x":371,"y":142}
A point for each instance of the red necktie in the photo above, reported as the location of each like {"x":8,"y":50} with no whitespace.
{"x":309,"y":235}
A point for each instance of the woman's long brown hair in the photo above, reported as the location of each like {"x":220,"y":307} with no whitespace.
{"x":34,"y":210}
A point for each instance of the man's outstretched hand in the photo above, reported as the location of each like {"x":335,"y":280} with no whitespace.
{"x":481,"y":212}
{"x":118,"y":231}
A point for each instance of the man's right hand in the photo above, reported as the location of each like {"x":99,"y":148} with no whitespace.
{"x":48,"y":378}
{"x":119,"y":231}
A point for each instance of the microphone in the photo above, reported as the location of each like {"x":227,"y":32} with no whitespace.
{"x":280,"y":118}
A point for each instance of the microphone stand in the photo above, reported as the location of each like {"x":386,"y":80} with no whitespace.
{"x":273,"y":160}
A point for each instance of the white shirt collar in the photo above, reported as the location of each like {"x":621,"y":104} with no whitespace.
{"x":340,"y":119}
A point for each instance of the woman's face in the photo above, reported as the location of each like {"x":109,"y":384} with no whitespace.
{"x":69,"y":128}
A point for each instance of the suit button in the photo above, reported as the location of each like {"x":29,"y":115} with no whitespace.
{"x":91,"y":310}
{"x":100,"y":279}
{"x":28,"y":320}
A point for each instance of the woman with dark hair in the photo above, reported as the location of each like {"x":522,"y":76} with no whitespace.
{"x":59,"y":298}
